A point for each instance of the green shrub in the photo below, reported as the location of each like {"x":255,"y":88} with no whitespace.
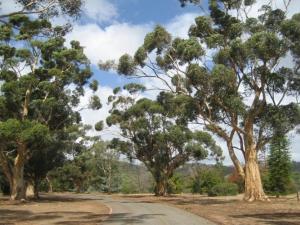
{"x":129,"y":185}
{"x":176,"y":184}
{"x":296,"y":180}
{"x":280,"y":166}
{"x":223,"y":189}
{"x":206,"y":179}
{"x":4,"y":185}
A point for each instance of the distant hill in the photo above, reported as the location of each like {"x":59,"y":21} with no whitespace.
{"x":296,"y":166}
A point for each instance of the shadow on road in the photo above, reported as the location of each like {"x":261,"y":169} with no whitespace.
{"x":128,"y":218}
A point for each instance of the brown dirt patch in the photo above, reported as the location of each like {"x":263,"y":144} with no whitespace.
{"x":55,"y":209}
{"x":233,"y":210}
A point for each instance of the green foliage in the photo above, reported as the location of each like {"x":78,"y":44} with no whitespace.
{"x":158,"y":39}
{"x":235,"y":178}
{"x":126,"y":65}
{"x":205,"y":179}
{"x":134,"y":88}
{"x":24,"y":131}
{"x":92,"y":169}
{"x":95,"y":102}
{"x":176,"y":184}
{"x":37,"y":106}
{"x":104,"y":167}
{"x":128,"y":185}
{"x":158,"y":134}
{"x":223,"y":189}
{"x":94,"y":85}
{"x":99,"y":126}
{"x":279,"y":166}
{"x":296,"y":180}
{"x":4,"y":185}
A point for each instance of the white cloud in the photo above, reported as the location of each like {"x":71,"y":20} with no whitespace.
{"x":91,"y":117}
{"x":116,"y":39}
{"x":294,"y":7}
{"x":180,"y":25}
{"x":294,"y":147}
{"x":100,"y":10}
{"x":110,"y":42}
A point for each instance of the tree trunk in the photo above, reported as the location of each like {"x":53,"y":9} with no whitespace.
{"x":29,"y":190}
{"x":36,"y":189}
{"x":239,"y":168}
{"x":109,"y":180}
{"x":161,"y":187}
{"x":50,"y":189}
{"x":253,"y":184}
{"x":17,"y":186}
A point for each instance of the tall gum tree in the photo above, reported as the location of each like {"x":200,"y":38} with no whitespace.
{"x":231,"y":68}
{"x":156,"y":134}
{"x":41,"y":82}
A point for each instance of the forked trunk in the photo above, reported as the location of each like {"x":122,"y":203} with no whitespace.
{"x":253,"y":184}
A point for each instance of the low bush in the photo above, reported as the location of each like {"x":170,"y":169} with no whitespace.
{"x":223,"y":189}
{"x":206,"y":179}
{"x":175,"y":184}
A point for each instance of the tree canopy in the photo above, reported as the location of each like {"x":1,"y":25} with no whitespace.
{"x":157,"y":135}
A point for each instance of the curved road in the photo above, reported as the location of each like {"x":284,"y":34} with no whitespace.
{"x":130,"y":212}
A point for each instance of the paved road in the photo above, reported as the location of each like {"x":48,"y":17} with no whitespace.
{"x":130,"y":212}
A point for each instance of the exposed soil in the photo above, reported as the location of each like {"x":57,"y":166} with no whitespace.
{"x":59,"y":209}
{"x":70,"y":209}
{"x":233,"y":210}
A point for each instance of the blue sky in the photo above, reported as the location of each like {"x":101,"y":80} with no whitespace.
{"x":159,"y":11}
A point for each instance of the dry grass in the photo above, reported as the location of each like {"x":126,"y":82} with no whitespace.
{"x":52,"y":209}
{"x":233,"y":210}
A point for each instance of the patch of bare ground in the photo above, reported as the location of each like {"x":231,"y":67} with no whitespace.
{"x":233,"y":210}
{"x":58,"y":209}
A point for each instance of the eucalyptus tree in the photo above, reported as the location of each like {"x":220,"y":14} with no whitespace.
{"x":104,"y":166}
{"x":231,"y":67}
{"x":65,"y":143}
{"x":154,"y":133}
{"x":41,"y":83}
